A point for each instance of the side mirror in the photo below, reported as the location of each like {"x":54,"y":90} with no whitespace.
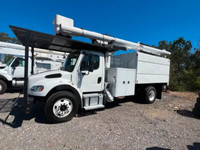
{"x":85,"y":72}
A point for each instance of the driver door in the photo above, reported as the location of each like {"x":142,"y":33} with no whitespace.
{"x":18,"y":68}
{"x":91,"y":73}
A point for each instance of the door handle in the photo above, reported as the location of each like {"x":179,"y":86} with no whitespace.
{"x":99,"y":80}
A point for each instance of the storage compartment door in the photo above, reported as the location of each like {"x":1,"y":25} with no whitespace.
{"x":120,"y":83}
{"x":130,"y":82}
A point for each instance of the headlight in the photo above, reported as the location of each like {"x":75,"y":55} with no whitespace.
{"x":38,"y":88}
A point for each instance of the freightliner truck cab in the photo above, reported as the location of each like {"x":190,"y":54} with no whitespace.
{"x":12,"y":75}
{"x":82,"y":75}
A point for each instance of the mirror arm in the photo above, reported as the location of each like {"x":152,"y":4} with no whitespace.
{"x":85,"y":72}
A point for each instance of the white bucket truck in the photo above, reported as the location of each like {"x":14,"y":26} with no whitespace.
{"x":12,"y":74}
{"x":91,"y":78}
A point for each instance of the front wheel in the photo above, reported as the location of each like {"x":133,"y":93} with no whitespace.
{"x":3,"y":87}
{"x":61,"y":107}
{"x":150,"y":95}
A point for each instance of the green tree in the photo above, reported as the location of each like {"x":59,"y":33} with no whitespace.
{"x":7,"y":58}
{"x":195,"y":67}
{"x":180,"y":70}
{"x":4,"y":37}
{"x":165,"y":45}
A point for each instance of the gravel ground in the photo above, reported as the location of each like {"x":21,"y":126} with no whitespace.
{"x":124,"y":124}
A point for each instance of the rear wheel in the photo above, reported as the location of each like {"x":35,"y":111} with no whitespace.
{"x":150,"y":95}
{"x":61,"y":107}
{"x":3,"y":87}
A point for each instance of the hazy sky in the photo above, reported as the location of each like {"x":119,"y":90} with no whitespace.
{"x":147,"y":21}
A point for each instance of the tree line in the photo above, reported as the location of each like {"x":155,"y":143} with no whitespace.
{"x":185,"y":62}
{"x":4,"y":37}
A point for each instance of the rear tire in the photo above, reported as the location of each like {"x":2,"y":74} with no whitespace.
{"x":3,"y":87}
{"x":150,"y":95}
{"x":61,"y":107}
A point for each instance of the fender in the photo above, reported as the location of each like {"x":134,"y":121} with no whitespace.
{"x":70,"y":88}
{"x":52,"y":86}
{"x":5,"y":76}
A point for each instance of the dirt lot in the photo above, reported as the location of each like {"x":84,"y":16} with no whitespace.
{"x":125,"y":124}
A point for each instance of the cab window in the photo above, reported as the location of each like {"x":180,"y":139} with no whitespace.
{"x":95,"y":62}
{"x":18,"y":62}
{"x":86,"y":64}
{"x":90,"y":62}
{"x":71,"y":61}
{"x":21,"y":62}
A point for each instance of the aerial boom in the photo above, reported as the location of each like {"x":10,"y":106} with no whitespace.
{"x":65,"y":26}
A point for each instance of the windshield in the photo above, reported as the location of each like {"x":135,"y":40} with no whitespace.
{"x":10,"y":61}
{"x":71,"y":61}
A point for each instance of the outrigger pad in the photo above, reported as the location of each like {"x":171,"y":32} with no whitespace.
{"x":56,"y":42}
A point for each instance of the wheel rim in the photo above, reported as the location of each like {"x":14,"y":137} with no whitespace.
{"x":152,"y":95}
{"x":62,"y":107}
{"x":1,"y":87}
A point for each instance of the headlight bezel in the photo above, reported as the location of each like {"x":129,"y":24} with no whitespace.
{"x":37,"y":88}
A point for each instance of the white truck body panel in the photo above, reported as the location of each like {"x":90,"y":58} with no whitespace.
{"x":122,"y":81}
{"x":152,"y":69}
{"x":46,"y":65}
{"x":149,"y":68}
{"x":11,"y":51}
{"x":16,"y":49}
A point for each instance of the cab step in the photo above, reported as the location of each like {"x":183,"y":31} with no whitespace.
{"x":93,"y":107}
{"x":93,"y":101}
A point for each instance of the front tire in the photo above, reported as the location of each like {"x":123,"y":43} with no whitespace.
{"x":150,"y":95}
{"x":61,"y":107}
{"x":3,"y":87}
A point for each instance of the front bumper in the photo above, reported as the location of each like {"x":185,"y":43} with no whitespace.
{"x":38,"y":98}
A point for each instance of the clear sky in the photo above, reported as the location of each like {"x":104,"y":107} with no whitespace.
{"x":147,"y":21}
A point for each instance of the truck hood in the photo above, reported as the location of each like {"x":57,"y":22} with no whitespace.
{"x":3,"y":70}
{"x":2,"y":66}
{"x":50,"y":77}
{"x":48,"y":80}
{"x":56,"y":74}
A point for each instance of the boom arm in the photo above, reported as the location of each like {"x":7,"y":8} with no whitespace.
{"x":65,"y":26}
